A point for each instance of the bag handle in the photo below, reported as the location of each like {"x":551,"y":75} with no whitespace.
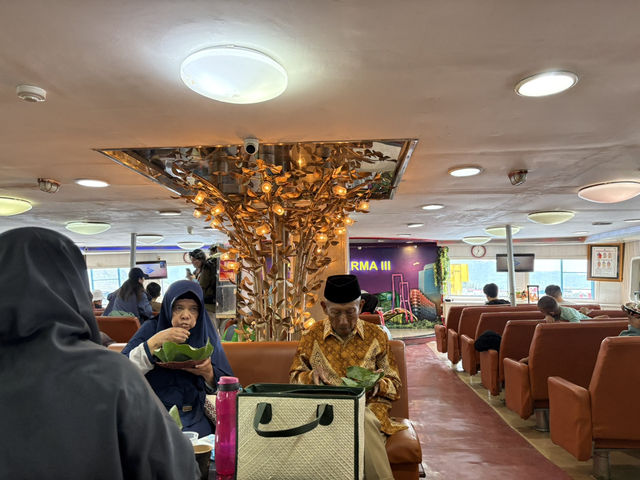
{"x":324,"y":416}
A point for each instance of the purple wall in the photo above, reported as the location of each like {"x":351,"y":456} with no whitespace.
{"x":385,"y":260}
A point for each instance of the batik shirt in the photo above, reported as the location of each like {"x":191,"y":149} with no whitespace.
{"x":367,"y":346}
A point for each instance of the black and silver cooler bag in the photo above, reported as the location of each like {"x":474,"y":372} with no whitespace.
{"x":298,"y":432}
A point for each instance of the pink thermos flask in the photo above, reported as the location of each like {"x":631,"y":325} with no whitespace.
{"x":225,"y":453}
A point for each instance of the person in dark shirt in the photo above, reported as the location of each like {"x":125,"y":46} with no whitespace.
{"x":491,"y":292}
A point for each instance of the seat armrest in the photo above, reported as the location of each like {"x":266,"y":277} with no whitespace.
{"x":441,"y":338}
{"x":489,"y":371}
{"x":404,"y":446}
{"x":517,"y":388}
{"x":453,"y":346}
{"x":570,"y":417}
{"x":469,"y":355}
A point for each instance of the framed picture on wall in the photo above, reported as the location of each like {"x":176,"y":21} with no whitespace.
{"x":604,"y":262}
{"x":533,"y":293}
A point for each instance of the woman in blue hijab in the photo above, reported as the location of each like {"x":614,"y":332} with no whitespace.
{"x":182,"y":319}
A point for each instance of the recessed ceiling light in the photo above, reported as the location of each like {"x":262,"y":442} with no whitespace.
{"x":149,"y":238}
{"x":633,"y":220}
{"x":88,"y":228}
{"x":546,"y":83}
{"x":464,"y":171}
{"x":501,"y":231}
{"x":380,"y":240}
{"x":476,"y":240}
{"x":415,"y":225}
{"x":432,"y":206}
{"x":190,"y":245}
{"x":601,"y":223}
{"x":551,"y":217}
{"x":90,"y":182}
{"x":234,"y":74}
{"x":13,"y":206}
{"x":583,"y":232}
{"x":169,"y":213}
{"x":610,"y":192}
{"x":404,"y":234}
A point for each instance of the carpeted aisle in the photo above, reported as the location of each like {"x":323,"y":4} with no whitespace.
{"x":461,"y":436}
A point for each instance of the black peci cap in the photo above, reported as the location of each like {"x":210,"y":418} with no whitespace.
{"x":342,"y":288}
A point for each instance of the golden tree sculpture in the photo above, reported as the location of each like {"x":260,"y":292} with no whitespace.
{"x":280,"y":222}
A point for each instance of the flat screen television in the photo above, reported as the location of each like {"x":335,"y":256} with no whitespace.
{"x":523,"y":262}
{"x":156,"y":269}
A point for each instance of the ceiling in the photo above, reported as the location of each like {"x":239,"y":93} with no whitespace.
{"x":441,"y":72}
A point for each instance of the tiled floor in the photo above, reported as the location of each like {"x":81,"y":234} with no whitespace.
{"x":464,"y":435}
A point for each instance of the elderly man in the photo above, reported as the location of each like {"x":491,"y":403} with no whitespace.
{"x":330,"y":346}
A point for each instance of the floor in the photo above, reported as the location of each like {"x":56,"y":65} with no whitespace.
{"x":402,"y":333}
{"x":463,"y":436}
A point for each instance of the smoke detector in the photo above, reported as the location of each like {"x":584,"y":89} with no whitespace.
{"x":518,"y":177}
{"x":31,"y":93}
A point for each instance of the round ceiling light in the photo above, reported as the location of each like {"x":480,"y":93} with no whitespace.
{"x":169,"y":213}
{"x":92,"y":183}
{"x":583,"y":232}
{"x":476,"y":240}
{"x":415,"y":225}
{"x":234,"y":74}
{"x":546,"y":83}
{"x":433,"y":206}
{"x":87,"y":228}
{"x":13,"y":206}
{"x":190,"y":245}
{"x":464,"y":171}
{"x":149,"y":238}
{"x":31,"y":93}
{"x":501,"y":231}
{"x":610,"y":192}
{"x":551,"y":218}
{"x":633,"y":220}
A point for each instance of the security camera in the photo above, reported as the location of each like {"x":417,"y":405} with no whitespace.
{"x":251,"y":145}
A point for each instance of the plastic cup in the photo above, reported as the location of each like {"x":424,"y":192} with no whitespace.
{"x":192,"y":436}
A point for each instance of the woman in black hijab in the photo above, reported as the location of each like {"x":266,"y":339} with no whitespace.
{"x":70,"y":408}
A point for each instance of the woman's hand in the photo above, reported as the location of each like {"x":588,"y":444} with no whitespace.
{"x":173,"y":334}
{"x":203,"y":369}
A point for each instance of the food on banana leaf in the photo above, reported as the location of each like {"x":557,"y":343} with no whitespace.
{"x":182,"y":352}
{"x":361,"y":378}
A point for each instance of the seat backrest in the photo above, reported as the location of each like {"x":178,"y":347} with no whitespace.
{"x":497,"y":321}
{"x":371,"y":318}
{"x":612,"y":313}
{"x":609,"y":319}
{"x":269,"y":362}
{"x":578,"y":306}
{"x":471,"y":316}
{"x":121,"y":329}
{"x":516,"y":340}
{"x":567,"y":350}
{"x":453,"y":317}
{"x":615,"y":390}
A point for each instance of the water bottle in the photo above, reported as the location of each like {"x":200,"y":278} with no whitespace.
{"x":225,"y":453}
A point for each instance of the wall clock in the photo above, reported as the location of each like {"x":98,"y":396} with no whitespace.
{"x":478,"y":251}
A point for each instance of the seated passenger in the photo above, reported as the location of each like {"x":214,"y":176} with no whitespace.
{"x":556,"y":313}
{"x":153,"y":291}
{"x":340,"y":341}
{"x":491,"y":292}
{"x":70,"y":408}
{"x":131,"y":297}
{"x":633,"y":314}
{"x":369,"y":305}
{"x":556,"y":292}
{"x":182,"y":319}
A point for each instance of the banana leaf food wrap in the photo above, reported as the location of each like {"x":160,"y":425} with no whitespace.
{"x":361,"y":378}
{"x":180,"y":355}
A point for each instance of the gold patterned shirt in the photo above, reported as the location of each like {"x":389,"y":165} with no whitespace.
{"x":367,"y":346}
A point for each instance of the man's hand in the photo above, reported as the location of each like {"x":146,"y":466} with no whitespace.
{"x":203,"y":369}
{"x":319,"y":377}
{"x":173,"y":334}
{"x":376,"y":388}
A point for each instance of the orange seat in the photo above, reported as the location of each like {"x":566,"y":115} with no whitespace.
{"x":605,"y":415}
{"x":567,"y":350}
{"x":494,"y":321}
{"x":121,"y":329}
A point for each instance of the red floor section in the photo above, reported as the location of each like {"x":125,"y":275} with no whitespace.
{"x":461,"y":436}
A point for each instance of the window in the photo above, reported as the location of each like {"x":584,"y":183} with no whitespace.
{"x":108,"y":280}
{"x":469,"y":276}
